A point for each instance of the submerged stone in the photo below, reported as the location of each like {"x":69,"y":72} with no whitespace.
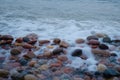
{"x":77,"y":53}
{"x":107,"y":39}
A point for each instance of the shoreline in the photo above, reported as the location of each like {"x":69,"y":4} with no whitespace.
{"x":96,"y":57}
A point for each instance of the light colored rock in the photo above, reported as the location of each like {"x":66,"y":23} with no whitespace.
{"x":101,"y":67}
{"x":43,"y":67}
{"x":30,"y":77}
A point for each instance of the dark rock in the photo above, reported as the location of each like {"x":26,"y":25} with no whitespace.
{"x":113,"y":54}
{"x":56,"y":40}
{"x":110,"y":73}
{"x":2,"y":59}
{"x":4,"y":73}
{"x":92,"y":38}
{"x":77,"y":53}
{"x":15,"y":51}
{"x":57,"y":51}
{"x":103,"y":46}
{"x":116,"y":41}
{"x":32,"y":36}
{"x":23,"y":62}
{"x":17,"y":76}
{"x":26,"y":39}
{"x":6,"y":37}
{"x":32,"y":42}
{"x":107,"y":39}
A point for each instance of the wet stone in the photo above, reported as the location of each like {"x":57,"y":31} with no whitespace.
{"x":101,"y":35}
{"x":32,"y":63}
{"x":79,"y":41}
{"x":30,"y":77}
{"x":101,"y":67}
{"x":6,"y":37}
{"x":4,"y":73}
{"x":32,"y":36}
{"x":2,"y":59}
{"x":26,"y":39}
{"x":41,"y":42}
{"x":110,"y":73}
{"x":92,"y":38}
{"x":27,"y":46}
{"x":77,"y":53}
{"x":56,"y":41}
{"x":29,"y":55}
{"x":93,"y":42}
{"x":107,"y":39}
{"x":17,"y":77}
{"x":101,"y":52}
{"x":64,"y":44}
{"x":57,"y":51}
{"x":62,"y":58}
{"x":15,"y":51}
{"x":103,"y":46}
{"x":19,"y":40}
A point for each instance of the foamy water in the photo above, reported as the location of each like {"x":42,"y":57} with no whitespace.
{"x":65,"y":19}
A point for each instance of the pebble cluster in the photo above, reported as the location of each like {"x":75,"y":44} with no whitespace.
{"x":29,"y":58}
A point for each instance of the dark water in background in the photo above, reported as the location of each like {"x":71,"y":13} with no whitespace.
{"x":66,"y":9}
{"x":55,"y":18}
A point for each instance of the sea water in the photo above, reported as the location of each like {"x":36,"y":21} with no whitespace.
{"x":65,"y":19}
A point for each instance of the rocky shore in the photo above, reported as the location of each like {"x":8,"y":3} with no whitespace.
{"x":28,"y":58}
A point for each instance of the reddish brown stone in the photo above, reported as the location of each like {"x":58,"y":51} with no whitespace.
{"x":94,"y":46}
{"x":55,"y":65}
{"x":19,"y":40}
{"x":27,"y":46}
{"x":79,"y":41}
{"x":93,"y":42}
{"x":6,"y":37}
{"x":62,"y":58}
{"x":41,"y":42}
{"x":56,"y":40}
{"x":101,"y":52}
{"x":47,"y":54}
{"x":68,"y":70}
{"x":29,"y":55}
{"x":32,"y":42}
{"x":92,"y":38}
